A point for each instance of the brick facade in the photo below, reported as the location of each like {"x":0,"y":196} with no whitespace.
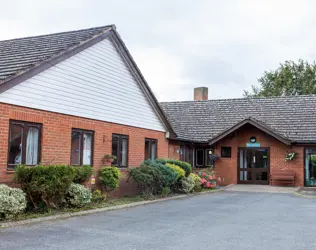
{"x":227,"y":167}
{"x":174,"y":149}
{"x":56,"y":145}
{"x":56,"y":139}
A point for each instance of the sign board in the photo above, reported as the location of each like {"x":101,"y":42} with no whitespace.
{"x":92,"y":180}
{"x":253,"y":145}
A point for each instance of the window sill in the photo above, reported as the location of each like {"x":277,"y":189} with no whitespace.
{"x":10,"y":171}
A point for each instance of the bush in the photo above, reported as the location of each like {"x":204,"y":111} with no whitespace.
{"x":12,"y":201}
{"x":187,"y":184}
{"x":197,"y":182}
{"x":46,"y":185}
{"x":149,"y":179}
{"x":180,"y":171}
{"x":98,"y":196}
{"x":169,"y":175}
{"x":110,"y":177}
{"x":78,"y":195}
{"x":82,"y":174}
{"x":165,"y":191}
{"x":184,"y":165}
{"x":208,"y":178}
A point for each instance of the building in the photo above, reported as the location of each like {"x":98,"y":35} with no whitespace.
{"x":251,"y":136}
{"x":73,"y":97}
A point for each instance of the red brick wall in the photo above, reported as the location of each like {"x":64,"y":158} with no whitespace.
{"x":227,"y":167}
{"x":56,"y":138}
{"x":174,"y":149}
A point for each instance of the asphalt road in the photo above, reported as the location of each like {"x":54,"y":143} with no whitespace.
{"x":224,"y":220}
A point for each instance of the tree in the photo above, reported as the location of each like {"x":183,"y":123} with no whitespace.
{"x":290,"y":79}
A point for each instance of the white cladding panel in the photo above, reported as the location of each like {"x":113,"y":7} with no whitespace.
{"x":94,"y":83}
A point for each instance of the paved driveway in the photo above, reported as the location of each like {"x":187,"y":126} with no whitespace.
{"x":224,"y":220}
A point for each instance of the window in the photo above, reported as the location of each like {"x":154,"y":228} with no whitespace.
{"x":150,"y":149}
{"x":200,"y":157}
{"x":208,"y":160}
{"x":226,"y":152}
{"x":120,"y":150}
{"x":81,"y":147}
{"x":24,"y":143}
{"x":186,"y":154}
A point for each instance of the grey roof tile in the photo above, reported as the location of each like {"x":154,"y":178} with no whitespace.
{"x":290,"y":117}
{"x":19,"y":55}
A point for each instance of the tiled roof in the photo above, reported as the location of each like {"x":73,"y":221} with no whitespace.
{"x":19,"y":55}
{"x":293,"y":118}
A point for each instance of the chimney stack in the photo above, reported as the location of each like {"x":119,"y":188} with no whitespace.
{"x":201,"y":94}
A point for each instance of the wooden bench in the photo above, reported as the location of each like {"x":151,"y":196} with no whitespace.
{"x":286,"y":176}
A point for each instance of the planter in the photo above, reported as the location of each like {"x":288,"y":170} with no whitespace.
{"x":108,"y":161}
{"x":213,"y":185}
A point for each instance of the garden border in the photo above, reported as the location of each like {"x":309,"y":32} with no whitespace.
{"x":98,"y":210}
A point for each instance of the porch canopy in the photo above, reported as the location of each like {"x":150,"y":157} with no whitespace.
{"x":254,"y":122}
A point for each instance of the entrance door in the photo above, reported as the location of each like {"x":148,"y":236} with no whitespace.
{"x":253,"y":166}
{"x":310,"y":167}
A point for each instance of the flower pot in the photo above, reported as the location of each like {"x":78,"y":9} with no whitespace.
{"x":108,"y":160}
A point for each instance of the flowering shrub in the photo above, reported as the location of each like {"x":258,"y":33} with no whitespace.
{"x":78,"y":195}
{"x":12,"y":201}
{"x":208,"y":179}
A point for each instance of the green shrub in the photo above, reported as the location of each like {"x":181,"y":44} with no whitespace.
{"x":197,"y":182}
{"x":187,"y":184}
{"x":170,"y":176}
{"x":149,"y":179}
{"x":46,"y":185}
{"x":12,"y":201}
{"x":82,"y":174}
{"x":78,"y":195}
{"x":110,"y":177}
{"x":184,"y":165}
{"x":180,"y":171}
{"x":165,"y":191}
{"x":98,"y":196}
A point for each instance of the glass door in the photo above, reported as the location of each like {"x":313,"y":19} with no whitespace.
{"x":310,"y":167}
{"x":253,"y":166}
{"x":261,"y":166}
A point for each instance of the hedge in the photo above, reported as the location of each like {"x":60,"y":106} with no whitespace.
{"x":184,"y":165}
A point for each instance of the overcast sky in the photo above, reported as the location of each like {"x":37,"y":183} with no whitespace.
{"x":179,"y":45}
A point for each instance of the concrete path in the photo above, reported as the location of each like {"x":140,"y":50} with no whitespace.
{"x":261,"y":189}
{"x":223,"y":220}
